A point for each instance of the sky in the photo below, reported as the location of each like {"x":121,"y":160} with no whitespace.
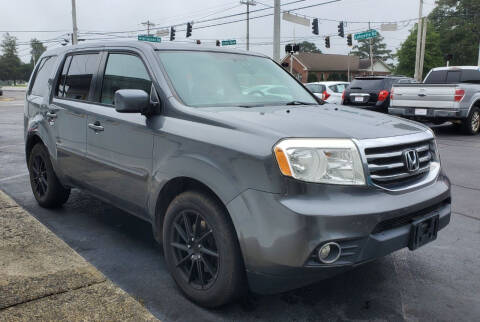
{"x":51,"y":21}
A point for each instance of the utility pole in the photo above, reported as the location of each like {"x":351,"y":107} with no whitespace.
{"x":371,"y":52}
{"x":479,"y":53}
{"x":419,"y":36}
{"x":248,"y":3}
{"x":422,"y":53}
{"x":148,"y":23}
{"x":276,"y":30}
{"x":74,"y":22}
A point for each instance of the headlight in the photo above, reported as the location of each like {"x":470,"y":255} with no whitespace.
{"x":334,"y":161}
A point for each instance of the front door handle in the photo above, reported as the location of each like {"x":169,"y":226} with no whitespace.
{"x":51,"y":115}
{"x":97,"y":127}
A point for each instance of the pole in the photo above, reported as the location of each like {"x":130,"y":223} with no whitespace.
{"x":148,"y":24}
{"x":74,"y":22}
{"x":371,"y":52}
{"x":276,"y":30}
{"x":248,"y":3}
{"x":291,"y":62}
{"x":422,"y":54}
{"x":479,"y":53}
{"x":419,"y":34}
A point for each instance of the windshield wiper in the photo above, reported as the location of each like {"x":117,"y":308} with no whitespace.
{"x":300,"y":103}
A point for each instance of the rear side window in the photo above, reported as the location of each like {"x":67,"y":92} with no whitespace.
{"x":436,"y":77}
{"x":339,"y":88}
{"x":124,"y":71}
{"x":40,"y":81}
{"x":60,"y":90}
{"x":79,"y":76}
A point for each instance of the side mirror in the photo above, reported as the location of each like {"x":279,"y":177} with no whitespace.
{"x":132,"y":101}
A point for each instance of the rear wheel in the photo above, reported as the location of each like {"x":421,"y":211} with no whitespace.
{"x":202,"y":251}
{"x":471,"y":125}
{"x":46,"y":187}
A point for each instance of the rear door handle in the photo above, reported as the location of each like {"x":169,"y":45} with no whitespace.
{"x":97,"y":127}
{"x":422,"y":95}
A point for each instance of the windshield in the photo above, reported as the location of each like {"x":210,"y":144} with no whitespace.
{"x":223,"y":79}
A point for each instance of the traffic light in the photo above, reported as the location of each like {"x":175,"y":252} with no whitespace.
{"x":217,"y":43}
{"x":172,"y":33}
{"x":349,"y":40}
{"x":327,"y":42}
{"x":315,"y":26}
{"x":341,"y":31}
{"x":296,"y":48}
{"x":189,"y":29}
{"x":288,"y":48}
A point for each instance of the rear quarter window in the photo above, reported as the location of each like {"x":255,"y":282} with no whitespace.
{"x":40,"y":79}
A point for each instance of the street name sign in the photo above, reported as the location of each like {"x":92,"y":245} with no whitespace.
{"x":149,"y":38}
{"x":372,"y":33}
{"x":296,"y":19}
{"x":229,"y":42}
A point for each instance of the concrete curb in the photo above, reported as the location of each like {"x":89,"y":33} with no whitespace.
{"x":42,"y":278}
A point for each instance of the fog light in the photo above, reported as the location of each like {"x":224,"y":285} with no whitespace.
{"x":329,"y":253}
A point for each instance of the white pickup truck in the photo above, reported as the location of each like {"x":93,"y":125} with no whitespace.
{"x":447,"y":94}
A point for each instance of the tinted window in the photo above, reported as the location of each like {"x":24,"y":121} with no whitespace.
{"x":79,"y":76}
{"x":61,"y":80}
{"x":471,"y":76}
{"x":44,"y":71}
{"x":453,"y":77}
{"x":367,"y":84}
{"x":436,"y":77}
{"x":124,"y":71}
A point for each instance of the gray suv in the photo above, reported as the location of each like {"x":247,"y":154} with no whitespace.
{"x":244,"y":188}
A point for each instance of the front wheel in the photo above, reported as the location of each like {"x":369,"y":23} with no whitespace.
{"x":202,"y":251}
{"x":471,"y":125}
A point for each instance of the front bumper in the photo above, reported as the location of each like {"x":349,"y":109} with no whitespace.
{"x":432,"y":113}
{"x":279,"y":234}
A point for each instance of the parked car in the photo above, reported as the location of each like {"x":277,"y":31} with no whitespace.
{"x":330,"y":92}
{"x":372,"y":92}
{"x":242,"y":190}
{"x":447,"y":94}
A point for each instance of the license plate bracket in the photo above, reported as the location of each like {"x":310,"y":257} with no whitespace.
{"x":359,"y":99}
{"x":420,"y":111}
{"x":423,"y":231}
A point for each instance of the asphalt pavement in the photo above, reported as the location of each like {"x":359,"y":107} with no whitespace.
{"x":440,"y":281}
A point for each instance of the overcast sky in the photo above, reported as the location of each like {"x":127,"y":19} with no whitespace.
{"x":126,"y":15}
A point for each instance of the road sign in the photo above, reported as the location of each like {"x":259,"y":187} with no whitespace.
{"x":229,"y":42}
{"x":372,"y":33}
{"x":296,"y":19}
{"x":149,"y":38}
{"x":162,"y":32}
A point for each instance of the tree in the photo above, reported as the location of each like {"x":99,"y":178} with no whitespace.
{"x":37,"y":50}
{"x":9,"y":61}
{"x":379,"y":49}
{"x":458,"y":23}
{"x":309,"y":47}
{"x":407,"y":52}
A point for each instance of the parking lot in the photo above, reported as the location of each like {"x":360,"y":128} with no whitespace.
{"x":440,"y":281}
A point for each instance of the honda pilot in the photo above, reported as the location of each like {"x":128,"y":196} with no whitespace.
{"x":245,"y":188}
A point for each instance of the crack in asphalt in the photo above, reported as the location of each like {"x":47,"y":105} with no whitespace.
{"x":465,"y":215}
{"x":465,"y":187}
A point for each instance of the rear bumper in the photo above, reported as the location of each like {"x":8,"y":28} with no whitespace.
{"x":432,"y":113}
{"x":381,"y":107}
{"x":280,"y":235}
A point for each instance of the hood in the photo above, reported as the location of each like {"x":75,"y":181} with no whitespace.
{"x":313,"y":121}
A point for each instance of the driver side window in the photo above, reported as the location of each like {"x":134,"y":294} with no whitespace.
{"x":123,"y":71}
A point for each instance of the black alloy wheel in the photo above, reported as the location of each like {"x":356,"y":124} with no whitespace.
{"x":195,"y":249}
{"x":39,"y":175}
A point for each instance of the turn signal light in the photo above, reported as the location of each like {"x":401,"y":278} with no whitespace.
{"x":459,"y":94}
{"x":325,"y":95}
{"x":383,"y":95}
{"x":283,"y":162}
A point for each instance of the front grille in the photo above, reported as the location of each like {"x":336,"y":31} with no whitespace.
{"x":387,"y":165}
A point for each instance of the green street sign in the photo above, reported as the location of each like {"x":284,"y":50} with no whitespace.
{"x":149,"y":38}
{"x":372,"y":33}
{"x":229,"y":42}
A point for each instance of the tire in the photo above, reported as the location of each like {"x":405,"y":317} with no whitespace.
{"x":46,"y":187}
{"x":214,"y":252}
{"x":471,"y":125}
